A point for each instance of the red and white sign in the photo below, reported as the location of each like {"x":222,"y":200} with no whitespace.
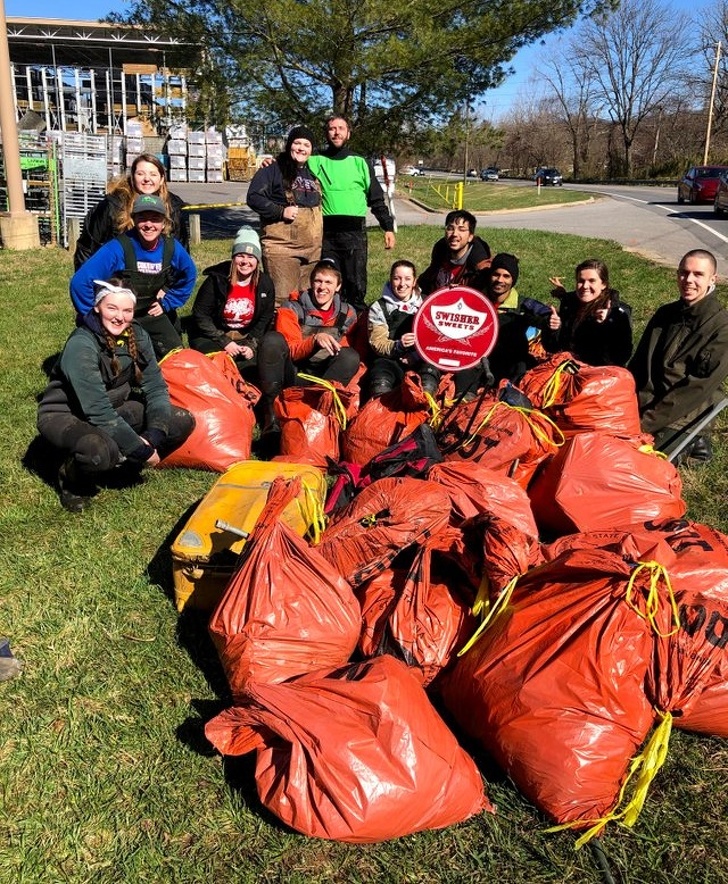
{"x":455,"y":328}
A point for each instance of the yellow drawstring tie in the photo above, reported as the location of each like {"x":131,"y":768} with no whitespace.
{"x":339,"y":410}
{"x":312,"y":512}
{"x":658,"y":575}
{"x":481,"y":603}
{"x":537,"y":431}
{"x":435,"y":411}
{"x":552,"y":387}
{"x":645,"y":765}
{"x":649,"y":449}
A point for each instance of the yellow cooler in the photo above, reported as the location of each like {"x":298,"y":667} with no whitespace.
{"x":204,"y":556}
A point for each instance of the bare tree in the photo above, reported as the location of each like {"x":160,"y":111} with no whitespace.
{"x":570,"y":80}
{"x":637,"y":58}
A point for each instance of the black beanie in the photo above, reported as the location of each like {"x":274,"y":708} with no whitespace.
{"x":300,"y":132}
{"x":504,"y":261}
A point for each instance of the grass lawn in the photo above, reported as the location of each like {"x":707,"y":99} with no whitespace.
{"x":482,"y":196}
{"x":105,"y":774}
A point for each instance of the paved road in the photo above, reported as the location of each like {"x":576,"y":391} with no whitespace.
{"x":646,"y":220}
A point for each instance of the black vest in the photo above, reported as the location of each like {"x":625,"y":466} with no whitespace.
{"x":146,"y":285}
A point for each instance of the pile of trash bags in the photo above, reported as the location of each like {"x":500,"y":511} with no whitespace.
{"x":521,"y":559}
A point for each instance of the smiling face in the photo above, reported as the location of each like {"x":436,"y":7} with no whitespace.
{"x":402,"y":282}
{"x":245,"y":265}
{"x":501,"y":282}
{"x":149,"y":226}
{"x":146,"y":178}
{"x":116,"y":312}
{"x":301,"y":150}
{"x":324,"y":286}
{"x":695,"y":278}
{"x":589,"y":285}
{"x":337,"y":132}
{"x":458,"y":236}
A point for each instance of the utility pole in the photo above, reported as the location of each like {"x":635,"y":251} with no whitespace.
{"x":18,"y":228}
{"x":712,"y":102}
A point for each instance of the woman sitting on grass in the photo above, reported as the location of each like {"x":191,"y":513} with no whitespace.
{"x":106,"y":403}
{"x":234,"y":306}
{"x":390,"y":321}
{"x":592,"y":322}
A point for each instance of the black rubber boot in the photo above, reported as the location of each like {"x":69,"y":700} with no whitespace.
{"x":701,"y":449}
{"x":379,"y":387}
{"x":74,"y":489}
{"x":269,"y":442}
{"x":430,"y":380}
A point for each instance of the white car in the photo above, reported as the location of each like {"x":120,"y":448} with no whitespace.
{"x":414,"y":171}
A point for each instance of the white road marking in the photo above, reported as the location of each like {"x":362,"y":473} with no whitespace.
{"x":669,"y":209}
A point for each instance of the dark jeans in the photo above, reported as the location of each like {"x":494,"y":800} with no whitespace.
{"x":93,"y":448}
{"x":278,"y":371}
{"x":349,"y":248}
{"x":248,"y":368}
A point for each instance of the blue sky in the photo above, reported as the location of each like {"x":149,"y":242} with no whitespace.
{"x":497,"y":101}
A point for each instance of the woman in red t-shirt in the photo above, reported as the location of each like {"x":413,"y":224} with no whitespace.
{"x":235,"y":304}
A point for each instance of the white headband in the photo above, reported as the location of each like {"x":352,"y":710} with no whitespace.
{"x":106,"y":288}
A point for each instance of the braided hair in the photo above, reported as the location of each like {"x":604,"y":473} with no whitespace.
{"x":131,"y":342}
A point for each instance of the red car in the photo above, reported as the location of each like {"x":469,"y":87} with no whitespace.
{"x":699,"y":184}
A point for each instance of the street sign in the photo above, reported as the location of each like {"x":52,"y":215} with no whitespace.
{"x":455,"y":328}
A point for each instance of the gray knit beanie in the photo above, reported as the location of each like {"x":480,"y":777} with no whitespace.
{"x":247,"y":242}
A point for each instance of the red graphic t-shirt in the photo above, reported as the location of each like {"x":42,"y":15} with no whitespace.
{"x":240,"y":306}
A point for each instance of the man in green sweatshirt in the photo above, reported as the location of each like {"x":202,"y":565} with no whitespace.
{"x":349,"y":187}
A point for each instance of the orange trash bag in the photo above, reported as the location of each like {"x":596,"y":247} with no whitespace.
{"x":599,"y":482}
{"x":422,"y":615}
{"x":385,"y":420}
{"x":356,"y":755}
{"x":222,"y":407}
{"x":285,"y":611}
{"x":312,"y":419}
{"x":505,"y":438}
{"x":691,"y":675}
{"x":475,"y":489}
{"x":554,"y":687}
{"x":382,"y":520}
{"x":551,"y":382}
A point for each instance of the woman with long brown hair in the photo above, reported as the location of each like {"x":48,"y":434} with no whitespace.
{"x":113,"y":214}
{"x":592,"y":322}
{"x":234,"y":306}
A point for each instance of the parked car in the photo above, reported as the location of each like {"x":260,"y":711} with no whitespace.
{"x":699,"y":184}
{"x":414,"y":171}
{"x":472,"y":173}
{"x":720,"y":203}
{"x":489,"y":174}
{"x":549,"y":176}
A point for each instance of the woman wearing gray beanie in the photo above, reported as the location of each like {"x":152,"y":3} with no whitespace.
{"x":287,"y":197}
{"x":234,"y":306}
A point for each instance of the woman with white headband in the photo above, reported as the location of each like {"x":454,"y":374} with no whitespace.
{"x":106,"y":403}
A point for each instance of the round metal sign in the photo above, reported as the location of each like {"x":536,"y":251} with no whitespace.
{"x":455,"y":328}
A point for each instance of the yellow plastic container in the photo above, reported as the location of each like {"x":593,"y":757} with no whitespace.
{"x":204,"y":556}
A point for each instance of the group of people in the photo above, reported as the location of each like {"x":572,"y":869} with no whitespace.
{"x":291,"y":302}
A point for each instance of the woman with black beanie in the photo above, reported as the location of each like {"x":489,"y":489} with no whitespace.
{"x":287,"y":197}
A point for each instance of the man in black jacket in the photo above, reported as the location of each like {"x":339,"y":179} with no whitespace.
{"x":681,"y":360}
{"x":459,"y":258}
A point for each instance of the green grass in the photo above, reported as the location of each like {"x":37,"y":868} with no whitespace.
{"x":105,"y":775}
{"x":481,"y":196}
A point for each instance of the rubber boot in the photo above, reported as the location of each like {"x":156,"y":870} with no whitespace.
{"x":75,"y":490}
{"x":270,"y":429}
{"x":380,"y":386}
{"x":701,"y":450}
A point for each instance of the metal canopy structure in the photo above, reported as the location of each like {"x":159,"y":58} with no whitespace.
{"x":86,"y":43}
{"x":84,"y":76}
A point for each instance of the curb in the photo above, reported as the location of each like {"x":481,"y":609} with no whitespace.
{"x":431,"y":211}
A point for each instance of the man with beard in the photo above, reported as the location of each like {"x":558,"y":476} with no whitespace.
{"x":348,"y":188}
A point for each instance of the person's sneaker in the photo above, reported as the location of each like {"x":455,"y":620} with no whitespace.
{"x":701,"y":449}
{"x":75,"y":494}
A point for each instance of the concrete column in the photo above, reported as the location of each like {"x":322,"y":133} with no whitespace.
{"x":18,"y":228}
